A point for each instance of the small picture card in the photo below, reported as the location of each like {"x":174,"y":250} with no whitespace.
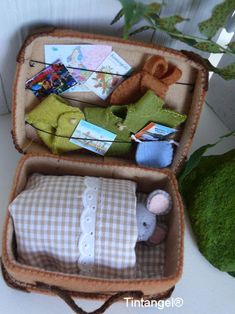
{"x":85,"y":56}
{"x":94,"y":137}
{"x":53,"y":79}
{"x":154,"y":131}
{"x":102,"y":84}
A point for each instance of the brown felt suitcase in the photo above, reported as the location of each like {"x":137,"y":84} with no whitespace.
{"x":187,"y":96}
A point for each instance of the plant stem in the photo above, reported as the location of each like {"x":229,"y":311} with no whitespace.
{"x":223,"y":50}
{"x":157,"y":26}
{"x":152,"y":37}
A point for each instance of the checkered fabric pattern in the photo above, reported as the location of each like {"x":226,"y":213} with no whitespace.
{"x":150,"y":260}
{"x":46,"y":218}
{"x":116,"y":229}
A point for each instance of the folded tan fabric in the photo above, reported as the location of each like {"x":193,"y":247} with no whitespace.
{"x":149,"y":82}
{"x":157,"y":75}
{"x":172,"y":75}
{"x":156,"y":66}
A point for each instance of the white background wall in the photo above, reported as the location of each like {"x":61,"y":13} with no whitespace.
{"x":18,"y":17}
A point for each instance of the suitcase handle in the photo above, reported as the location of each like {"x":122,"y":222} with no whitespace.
{"x":67,"y":298}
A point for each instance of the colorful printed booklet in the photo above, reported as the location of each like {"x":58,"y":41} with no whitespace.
{"x":154,"y":131}
{"x":102,"y":84}
{"x":78,"y":56}
{"x":53,"y":79}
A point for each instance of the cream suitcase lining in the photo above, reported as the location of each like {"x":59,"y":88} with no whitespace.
{"x":187,"y":96}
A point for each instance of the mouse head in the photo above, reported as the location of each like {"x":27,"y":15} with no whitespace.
{"x":158,"y":203}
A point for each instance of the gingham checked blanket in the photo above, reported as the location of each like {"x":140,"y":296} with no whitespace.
{"x":82,"y":225}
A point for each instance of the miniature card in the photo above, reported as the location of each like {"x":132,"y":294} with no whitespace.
{"x":53,"y":79}
{"x":154,"y":131}
{"x":87,"y":57}
{"x":92,"y":137}
{"x":102,"y":84}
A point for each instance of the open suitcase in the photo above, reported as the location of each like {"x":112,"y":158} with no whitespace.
{"x":185,"y":97}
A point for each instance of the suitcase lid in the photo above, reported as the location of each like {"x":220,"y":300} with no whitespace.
{"x":187,"y":96}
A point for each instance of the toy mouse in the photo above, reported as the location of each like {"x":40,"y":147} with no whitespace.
{"x":158,"y":202}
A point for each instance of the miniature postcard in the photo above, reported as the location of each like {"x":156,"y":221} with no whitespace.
{"x":92,"y":137}
{"x":53,"y":79}
{"x":102,"y":84}
{"x":78,"y":56}
{"x":154,"y":131}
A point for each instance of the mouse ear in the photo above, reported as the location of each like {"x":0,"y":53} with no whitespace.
{"x":159,"y":202}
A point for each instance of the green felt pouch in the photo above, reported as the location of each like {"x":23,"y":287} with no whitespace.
{"x":56,"y":119}
{"x":129,"y":119}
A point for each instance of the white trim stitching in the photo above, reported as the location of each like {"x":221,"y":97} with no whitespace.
{"x":86,"y":243}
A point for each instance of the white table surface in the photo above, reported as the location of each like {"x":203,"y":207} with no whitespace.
{"x":203,"y":288}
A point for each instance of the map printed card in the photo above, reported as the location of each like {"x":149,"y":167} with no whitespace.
{"x":78,"y":56}
{"x":53,"y":79}
{"x":102,"y":84}
{"x":92,"y":137}
{"x":154,"y":131}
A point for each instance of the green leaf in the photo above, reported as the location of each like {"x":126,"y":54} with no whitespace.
{"x":209,"y":66}
{"x":193,"y":161}
{"x":209,"y":47}
{"x":153,"y":8}
{"x":195,"y":158}
{"x":167,"y":24}
{"x":218,"y":18}
{"x":133,"y":12}
{"x":228,"y":72}
{"x":232,"y":273}
{"x":232,"y":46}
{"x":184,"y":39}
{"x":232,"y":133}
{"x":142,"y":29}
{"x":117,"y":17}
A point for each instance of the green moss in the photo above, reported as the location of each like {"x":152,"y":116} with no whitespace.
{"x":209,"y":192}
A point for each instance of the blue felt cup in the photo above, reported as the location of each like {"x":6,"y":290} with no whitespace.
{"x":157,"y":154}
